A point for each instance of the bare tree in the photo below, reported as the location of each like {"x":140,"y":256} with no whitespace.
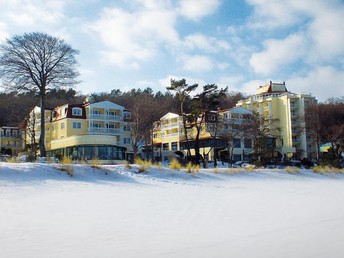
{"x":265,"y":131}
{"x":37,"y":61}
{"x":231,"y":128}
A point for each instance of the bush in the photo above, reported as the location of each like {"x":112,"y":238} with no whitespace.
{"x":175,"y":164}
{"x":158,"y":165}
{"x":12,"y":160}
{"x":144,"y":164}
{"x":66,"y":160}
{"x":96,"y":163}
{"x":292,"y":170}
{"x":66,"y":168}
{"x":321,"y":169}
{"x":191,"y":168}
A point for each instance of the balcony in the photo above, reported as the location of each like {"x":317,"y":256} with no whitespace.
{"x":168,"y":125}
{"x":104,"y":130}
{"x":104,"y":117}
{"x":170,"y":135}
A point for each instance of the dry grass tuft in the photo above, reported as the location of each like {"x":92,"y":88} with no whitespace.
{"x":66,"y":168}
{"x":292,"y":170}
{"x":191,"y":168}
{"x":175,"y":164}
{"x":144,"y":164}
{"x":96,"y":163}
{"x":66,"y":160}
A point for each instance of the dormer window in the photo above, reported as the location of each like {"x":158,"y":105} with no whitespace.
{"x":77,"y":112}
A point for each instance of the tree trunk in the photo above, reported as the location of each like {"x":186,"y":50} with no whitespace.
{"x":42,"y":136}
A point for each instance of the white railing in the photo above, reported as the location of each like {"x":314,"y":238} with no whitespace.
{"x":105,"y":117}
{"x":167,"y":125}
{"x":103,"y":130}
{"x":170,"y":135}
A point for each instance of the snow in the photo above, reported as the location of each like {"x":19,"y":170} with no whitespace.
{"x":116,"y":212}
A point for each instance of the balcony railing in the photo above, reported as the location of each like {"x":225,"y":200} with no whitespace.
{"x":105,"y":117}
{"x":170,"y":135}
{"x":104,"y":130}
{"x":176,"y":124}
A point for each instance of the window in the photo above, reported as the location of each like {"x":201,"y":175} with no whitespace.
{"x":126,"y":140}
{"x":77,"y":111}
{"x":247,"y":143}
{"x":236,"y":157}
{"x":174,"y":145}
{"x":76,"y":125}
{"x":65,"y":111}
{"x":127,"y":115}
{"x":126,"y":128}
{"x":165,"y":146}
{"x":236,"y":143}
{"x":62,"y":126}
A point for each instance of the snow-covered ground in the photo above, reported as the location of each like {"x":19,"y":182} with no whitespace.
{"x":115,"y":212}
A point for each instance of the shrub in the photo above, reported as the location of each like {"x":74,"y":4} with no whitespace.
{"x":12,"y":160}
{"x":337,"y":170}
{"x":66,"y":160}
{"x":145,"y":164}
{"x":175,"y":164}
{"x":158,"y":165}
{"x":249,"y":168}
{"x":96,"y":163}
{"x":321,"y":169}
{"x":127,"y":165}
{"x":67,"y":168}
{"x":292,"y":170}
{"x":191,"y":168}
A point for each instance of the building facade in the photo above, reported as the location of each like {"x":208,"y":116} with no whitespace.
{"x":219,"y":136}
{"x":276,"y":102}
{"x":84,"y":131}
{"x":11,"y":142}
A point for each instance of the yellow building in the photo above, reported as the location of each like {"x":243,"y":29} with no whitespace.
{"x":170,"y":141}
{"x":276,"y":102}
{"x":10,"y":140}
{"x":87,"y":131}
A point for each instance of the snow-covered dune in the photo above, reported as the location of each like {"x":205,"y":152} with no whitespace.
{"x":116,"y":212}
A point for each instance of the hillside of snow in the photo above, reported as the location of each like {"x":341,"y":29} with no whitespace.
{"x":116,"y":212}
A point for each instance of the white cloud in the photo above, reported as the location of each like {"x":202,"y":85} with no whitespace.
{"x":197,"y":63}
{"x":321,"y":22}
{"x":250,"y":87}
{"x":327,"y":33}
{"x":197,"y":9}
{"x":233,"y":82}
{"x":133,"y":37}
{"x":270,"y":14}
{"x":206,"y":43}
{"x":166,"y":82}
{"x":278,"y":53}
{"x":323,"y":82}
{"x":26,"y":13}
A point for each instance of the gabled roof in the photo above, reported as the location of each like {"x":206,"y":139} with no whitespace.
{"x":169,"y":115}
{"x":105,"y":104}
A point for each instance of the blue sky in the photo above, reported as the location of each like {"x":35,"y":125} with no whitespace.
{"x":127,"y":44}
